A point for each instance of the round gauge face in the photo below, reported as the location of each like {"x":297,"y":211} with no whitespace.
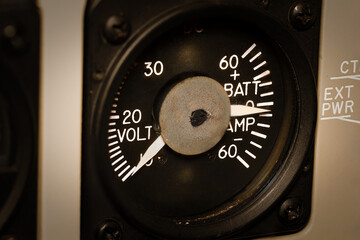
{"x":198,"y":125}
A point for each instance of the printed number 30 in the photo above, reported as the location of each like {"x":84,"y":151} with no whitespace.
{"x":157,"y":68}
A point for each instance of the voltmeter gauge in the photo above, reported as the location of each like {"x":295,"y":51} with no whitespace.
{"x":204,"y":120}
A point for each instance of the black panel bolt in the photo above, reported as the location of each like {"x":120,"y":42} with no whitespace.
{"x":264,"y":3}
{"x":301,"y":15}
{"x":110,"y":230}
{"x":14,"y":38}
{"x":291,"y":211}
{"x":9,"y":237}
{"x":116,"y":29}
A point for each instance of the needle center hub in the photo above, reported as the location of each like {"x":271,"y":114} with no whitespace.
{"x":194,"y":115}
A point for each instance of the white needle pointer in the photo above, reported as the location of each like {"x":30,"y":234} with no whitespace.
{"x":154,"y":148}
{"x":242,"y":110}
{"x":159,"y":143}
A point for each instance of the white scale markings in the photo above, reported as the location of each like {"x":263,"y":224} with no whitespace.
{"x":117,"y":160}
{"x":115,"y":154}
{"x":261,"y":75}
{"x":111,"y":130}
{"x":250,"y":154}
{"x":265,"y":84}
{"x":128,"y":174}
{"x":263,"y":125}
{"x":113,"y":117}
{"x":255,"y":57}
{"x":248,"y":51}
{"x":120,"y":166}
{"x":123,"y":171}
{"x":260,"y":65}
{"x":243,"y":162}
{"x":266,"y":115}
{"x":260,"y":135}
{"x":112,"y":137}
{"x":113,"y":143}
{"x":256,"y":144}
{"x":265,"y":104}
{"x":114,"y":149}
{"x":267,"y":94}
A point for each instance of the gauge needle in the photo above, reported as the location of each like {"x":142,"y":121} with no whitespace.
{"x":154,"y":148}
{"x":158,"y":144}
{"x":242,"y":110}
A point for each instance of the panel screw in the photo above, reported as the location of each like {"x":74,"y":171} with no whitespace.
{"x":264,"y":3}
{"x":110,"y":230}
{"x":291,"y":211}
{"x":98,"y":74}
{"x":307,"y":168}
{"x":9,"y":237}
{"x":116,"y":29}
{"x":301,"y":15}
{"x":14,"y":38}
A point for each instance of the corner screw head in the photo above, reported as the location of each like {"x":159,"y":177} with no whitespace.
{"x":291,"y":211}
{"x":301,"y":15}
{"x":14,"y":38}
{"x":109,"y":230}
{"x":9,"y":237}
{"x":116,"y":29}
{"x":264,"y":3}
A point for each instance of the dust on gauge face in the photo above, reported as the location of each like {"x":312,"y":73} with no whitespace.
{"x":196,"y":119}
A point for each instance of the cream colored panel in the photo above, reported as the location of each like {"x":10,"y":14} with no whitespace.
{"x":336,"y":193}
{"x":59,"y":196}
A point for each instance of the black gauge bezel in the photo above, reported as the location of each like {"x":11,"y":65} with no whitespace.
{"x":295,"y":149}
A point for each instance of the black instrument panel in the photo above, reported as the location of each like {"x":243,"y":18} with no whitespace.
{"x":257,"y":172}
{"x":19,"y":98}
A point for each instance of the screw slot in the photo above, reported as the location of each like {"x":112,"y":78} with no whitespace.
{"x":110,"y":230}
{"x":291,"y":211}
{"x":116,"y":29}
{"x":302,"y":15}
